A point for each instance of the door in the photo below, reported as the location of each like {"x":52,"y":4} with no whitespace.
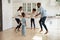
{"x":0,"y":15}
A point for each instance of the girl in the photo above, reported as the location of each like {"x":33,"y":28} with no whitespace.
{"x":32,"y":16}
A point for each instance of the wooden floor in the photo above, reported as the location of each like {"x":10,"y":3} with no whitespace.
{"x":11,"y":34}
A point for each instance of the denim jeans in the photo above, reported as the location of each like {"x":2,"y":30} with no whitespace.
{"x":42,"y":22}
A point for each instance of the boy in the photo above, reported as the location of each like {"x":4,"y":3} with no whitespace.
{"x":23,"y":24}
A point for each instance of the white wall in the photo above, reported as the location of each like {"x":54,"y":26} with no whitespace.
{"x":7,"y":14}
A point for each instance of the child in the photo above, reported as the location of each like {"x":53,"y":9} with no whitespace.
{"x":23,"y":24}
{"x":33,"y":17}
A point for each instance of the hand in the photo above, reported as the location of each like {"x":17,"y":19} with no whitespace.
{"x":35,"y":16}
{"x":27,"y":17}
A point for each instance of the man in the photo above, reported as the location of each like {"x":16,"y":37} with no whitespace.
{"x":42,"y":12}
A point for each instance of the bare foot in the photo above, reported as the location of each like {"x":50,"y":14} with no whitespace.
{"x":41,"y":30}
{"x":46,"y":32}
{"x":15,"y":29}
{"x":18,"y":30}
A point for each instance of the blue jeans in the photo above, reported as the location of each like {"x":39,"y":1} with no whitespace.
{"x":23,"y":30}
{"x":42,"y":22}
{"x":32,"y":21}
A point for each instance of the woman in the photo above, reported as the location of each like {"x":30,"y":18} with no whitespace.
{"x":17,"y":18}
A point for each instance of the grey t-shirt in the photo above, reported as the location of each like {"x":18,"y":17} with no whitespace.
{"x":23,"y":21}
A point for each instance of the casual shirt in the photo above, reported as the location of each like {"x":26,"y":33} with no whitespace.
{"x":42,"y":11}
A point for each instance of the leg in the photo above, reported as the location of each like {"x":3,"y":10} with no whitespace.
{"x":34,"y":23}
{"x":40,"y":22}
{"x":18,"y":21}
{"x":45,"y":28}
{"x":19,"y":26}
{"x":43,"y":22}
{"x":23,"y":30}
{"x":31,"y":23}
{"x":15,"y":28}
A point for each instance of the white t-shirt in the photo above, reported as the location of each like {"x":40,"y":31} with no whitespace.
{"x":18,"y":13}
{"x":32,"y":15}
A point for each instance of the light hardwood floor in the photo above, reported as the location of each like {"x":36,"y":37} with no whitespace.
{"x":11,"y":34}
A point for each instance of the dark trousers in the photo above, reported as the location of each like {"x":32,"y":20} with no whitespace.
{"x":19,"y":22}
{"x":32,"y":21}
{"x":42,"y":22}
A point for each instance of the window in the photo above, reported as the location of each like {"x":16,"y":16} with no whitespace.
{"x":58,"y":0}
{"x":33,"y":5}
{"x":24,"y":7}
{"x":27,"y":7}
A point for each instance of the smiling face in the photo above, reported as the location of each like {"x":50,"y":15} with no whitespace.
{"x":38,"y":5}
